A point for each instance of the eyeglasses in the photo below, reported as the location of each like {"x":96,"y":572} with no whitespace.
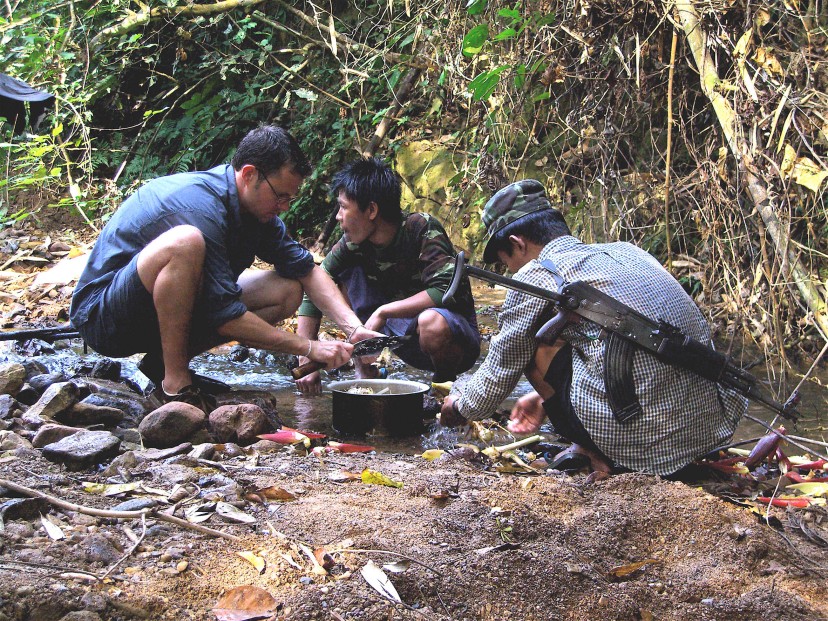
{"x":281,"y":197}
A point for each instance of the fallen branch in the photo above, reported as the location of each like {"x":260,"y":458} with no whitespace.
{"x":124,"y":515}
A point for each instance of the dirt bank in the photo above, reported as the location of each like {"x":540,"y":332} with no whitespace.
{"x":478,"y":546}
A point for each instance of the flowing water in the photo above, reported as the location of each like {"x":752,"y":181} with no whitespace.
{"x":270,"y":373}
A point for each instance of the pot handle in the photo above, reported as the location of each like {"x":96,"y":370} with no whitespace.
{"x":306,"y":369}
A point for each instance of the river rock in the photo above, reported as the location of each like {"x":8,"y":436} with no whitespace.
{"x":83,"y":449}
{"x":34,"y":367}
{"x":51,"y":433}
{"x":119,"y":396}
{"x":171,"y":424}
{"x":265,"y":400}
{"x":100,"y":549}
{"x":27,"y":395}
{"x":154,"y":454}
{"x":135,"y":504}
{"x":56,"y":399}
{"x":42,"y":381}
{"x":9,"y":407}
{"x":106,"y":369}
{"x":12,"y":378}
{"x":87,"y":414}
{"x":10,"y":441}
{"x":239,"y":423}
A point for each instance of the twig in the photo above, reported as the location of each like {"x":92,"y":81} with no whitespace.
{"x":126,"y":515}
{"x":408,"y":558}
{"x":130,"y":551}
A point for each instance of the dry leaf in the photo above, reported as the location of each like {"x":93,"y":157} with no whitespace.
{"x":432,"y":454}
{"x":112,"y":489}
{"x":626,"y":570}
{"x":233,"y":514}
{"x":244,"y":603}
{"x":200,"y":513}
{"x":397,"y":567}
{"x":810,"y":489}
{"x":276,"y":493}
{"x":325,"y":560}
{"x":254,"y":559}
{"x":372,"y":477}
{"x":343,"y":476}
{"x":375,"y":577}
{"x":53,"y":530}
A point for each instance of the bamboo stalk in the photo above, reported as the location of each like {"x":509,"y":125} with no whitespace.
{"x":669,"y":151}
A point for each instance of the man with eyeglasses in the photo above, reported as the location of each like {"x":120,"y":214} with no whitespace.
{"x":167,"y":274}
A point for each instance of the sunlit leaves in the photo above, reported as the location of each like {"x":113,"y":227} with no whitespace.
{"x":484,"y":85}
{"x":475,"y":39}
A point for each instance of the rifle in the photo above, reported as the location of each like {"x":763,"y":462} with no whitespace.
{"x":628,"y":330}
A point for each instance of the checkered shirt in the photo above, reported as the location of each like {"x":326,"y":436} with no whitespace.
{"x":684,"y":416}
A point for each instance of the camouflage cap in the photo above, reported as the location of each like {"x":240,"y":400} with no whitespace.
{"x":511,"y":203}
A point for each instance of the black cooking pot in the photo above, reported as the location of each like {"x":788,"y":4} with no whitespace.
{"x":393,"y":408}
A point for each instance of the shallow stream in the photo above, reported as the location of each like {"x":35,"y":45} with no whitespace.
{"x":265,"y":372}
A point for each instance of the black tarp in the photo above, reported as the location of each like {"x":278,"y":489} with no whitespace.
{"x":13,"y":93}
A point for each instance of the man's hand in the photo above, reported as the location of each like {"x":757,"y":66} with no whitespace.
{"x":449,"y":414}
{"x":332,"y":353}
{"x":377,"y":320}
{"x":311,"y":384}
{"x":527,"y":414}
{"x":360,"y":334}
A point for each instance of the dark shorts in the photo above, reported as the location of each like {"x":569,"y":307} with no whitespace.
{"x":123,"y":322}
{"x":559,"y":407}
{"x":365,"y":299}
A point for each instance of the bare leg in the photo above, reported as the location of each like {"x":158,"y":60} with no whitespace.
{"x":170,"y":268}
{"x":528,"y":413}
{"x":436,"y":340}
{"x":270,"y":296}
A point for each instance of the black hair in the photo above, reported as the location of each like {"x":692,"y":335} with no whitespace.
{"x":371,"y":179}
{"x":539,"y":228}
{"x":269,"y":148}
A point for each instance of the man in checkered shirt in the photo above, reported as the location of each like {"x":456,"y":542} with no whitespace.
{"x":682,"y":415}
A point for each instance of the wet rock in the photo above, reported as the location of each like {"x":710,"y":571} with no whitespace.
{"x":265,"y":400}
{"x":86,"y":414}
{"x":51,"y":433}
{"x":239,"y":423}
{"x":12,"y":378}
{"x":238,"y":353}
{"x":34,"y":347}
{"x":99,"y":549}
{"x":34,"y":367}
{"x":56,"y":399}
{"x":171,"y":424}
{"x":153,"y":454}
{"x":10,"y":441}
{"x":9,"y":407}
{"x":83,"y":449}
{"x":28,"y":395}
{"x":106,"y":369}
{"x":42,"y":381}
{"x":118,"y":396}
